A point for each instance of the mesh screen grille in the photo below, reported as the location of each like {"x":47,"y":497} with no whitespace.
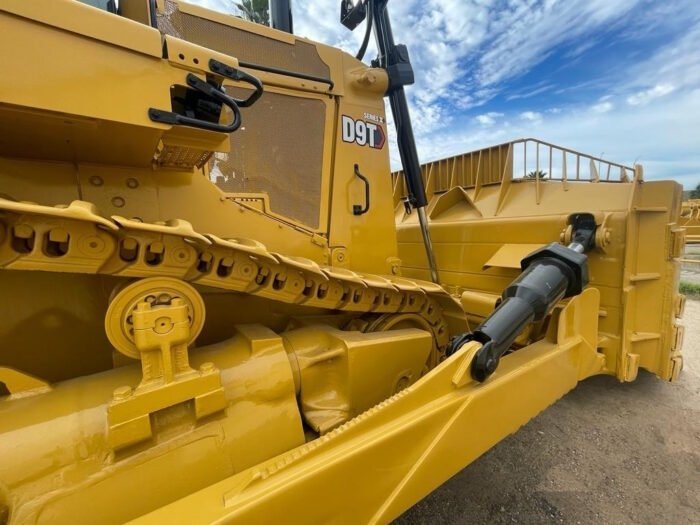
{"x":184,"y":158}
{"x":299,"y":57}
{"x":279,"y":151}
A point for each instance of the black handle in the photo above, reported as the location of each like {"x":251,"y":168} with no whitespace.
{"x":169,"y":117}
{"x":240,"y":76}
{"x":357,"y":209}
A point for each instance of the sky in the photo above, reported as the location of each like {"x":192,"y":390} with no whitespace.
{"x":613,"y":78}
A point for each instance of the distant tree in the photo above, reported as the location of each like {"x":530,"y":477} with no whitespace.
{"x":255,"y":10}
{"x":695,"y":194}
{"x":536,"y":174}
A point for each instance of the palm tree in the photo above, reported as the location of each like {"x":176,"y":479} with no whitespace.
{"x":536,"y":174}
{"x":695,"y":194}
{"x":255,"y":10}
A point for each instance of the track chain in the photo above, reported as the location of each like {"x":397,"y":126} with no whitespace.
{"x":77,"y":239}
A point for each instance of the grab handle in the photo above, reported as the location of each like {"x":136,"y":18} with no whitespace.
{"x":358,"y":209}
{"x":170,"y":117}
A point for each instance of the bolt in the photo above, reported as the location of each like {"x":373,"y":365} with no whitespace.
{"x":23,"y":231}
{"x":163,"y":325}
{"x":491,"y":364}
{"x":207,"y":368}
{"x":368,"y":78}
{"x":122,"y":393}
{"x":58,"y":235}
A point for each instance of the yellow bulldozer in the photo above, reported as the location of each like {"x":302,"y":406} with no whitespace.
{"x":690,"y":220}
{"x":220,"y":306}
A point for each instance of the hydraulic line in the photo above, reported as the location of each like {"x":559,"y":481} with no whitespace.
{"x":368,"y":32}
{"x":395,"y":60}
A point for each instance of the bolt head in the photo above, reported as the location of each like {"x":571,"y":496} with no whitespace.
{"x":491,"y":365}
{"x":207,"y":368}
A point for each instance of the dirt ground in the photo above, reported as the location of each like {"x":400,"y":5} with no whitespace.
{"x":690,"y":272}
{"x":605,"y":453}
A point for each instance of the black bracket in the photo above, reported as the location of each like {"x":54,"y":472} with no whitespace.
{"x":583,"y":227}
{"x":357,"y":209}
{"x":407,"y":205}
{"x":213,"y":92}
{"x":352,"y":14}
{"x":240,"y":76}
{"x":399,"y":67}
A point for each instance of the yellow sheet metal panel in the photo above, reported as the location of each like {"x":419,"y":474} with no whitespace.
{"x":479,"y":304}
{"x":345,"y":363}
{"x":88,"y":21}
{"x":66,"y":427}
{"x":510,"y":255}
{"x":628,"y":267}
{"x":54,"y":119}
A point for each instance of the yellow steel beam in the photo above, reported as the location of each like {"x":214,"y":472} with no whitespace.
{"x":382,"y":462}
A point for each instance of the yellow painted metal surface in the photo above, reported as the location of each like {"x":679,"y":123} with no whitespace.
{"x":408,"y":445}
{"x":510,"y":255}
{"x":634,"y":266}
{"x":175,"y":351}
{"x":66,"y":427}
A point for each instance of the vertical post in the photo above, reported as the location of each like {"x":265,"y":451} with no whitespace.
{"x":281,"y":15}
{"x":394,"y":59}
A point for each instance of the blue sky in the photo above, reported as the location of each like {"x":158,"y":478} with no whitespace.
{"x":617,"y":77}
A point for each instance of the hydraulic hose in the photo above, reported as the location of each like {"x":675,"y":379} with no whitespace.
{"x":368,"y":32}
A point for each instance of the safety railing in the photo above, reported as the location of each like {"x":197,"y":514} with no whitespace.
{"x":536,"y":158}
{"x":524,"y":159}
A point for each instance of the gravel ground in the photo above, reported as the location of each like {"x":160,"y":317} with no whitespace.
{"x":605,"y":453}
{"x":690,"y":272}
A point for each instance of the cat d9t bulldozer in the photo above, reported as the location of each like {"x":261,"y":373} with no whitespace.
{"x":220,"y":306}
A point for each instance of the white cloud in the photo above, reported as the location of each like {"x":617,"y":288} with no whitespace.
{"x":531,"y":116}
{"x":463,"y":50}
{"x":466,"y":52}
{"x":651,"y":136}
{"x":672,"y":68}
{"x":526,"y":32}
{"x":602,"y":107}
{"x":534,"y":90}
{"x":647,"y":95}
{"x":488,"y":119}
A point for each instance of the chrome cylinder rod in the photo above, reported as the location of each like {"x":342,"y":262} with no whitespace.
{"x":423,"y":220}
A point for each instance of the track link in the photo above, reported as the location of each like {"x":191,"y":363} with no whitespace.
{"x":77,"y":239}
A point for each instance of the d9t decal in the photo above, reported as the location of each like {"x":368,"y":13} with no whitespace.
{"x":363,"y":133}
